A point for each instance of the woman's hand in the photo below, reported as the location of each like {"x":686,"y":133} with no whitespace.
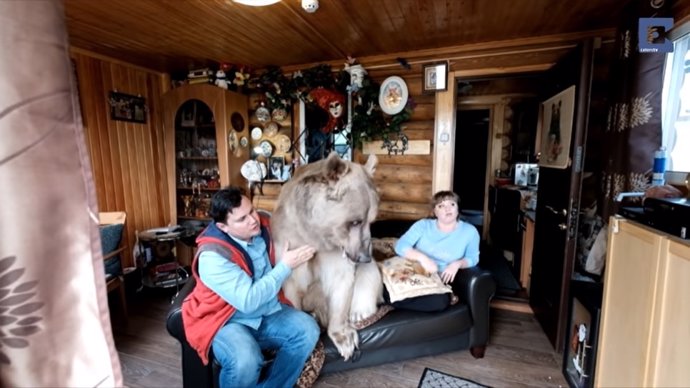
{"x":451,"y":270}
{"x":293,"y":258}
{"x":429,"y":265}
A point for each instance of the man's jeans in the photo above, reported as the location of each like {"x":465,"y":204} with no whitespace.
{"x":292,"y":333}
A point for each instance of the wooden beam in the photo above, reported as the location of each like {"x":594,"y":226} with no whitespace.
{"x":540,"y":67}
{"x":516,"y":46}
{"x":444,"y":138}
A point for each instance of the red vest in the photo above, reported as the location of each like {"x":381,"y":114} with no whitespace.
{"x":203,"y":311}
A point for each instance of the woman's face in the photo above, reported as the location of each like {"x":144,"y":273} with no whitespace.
{"x":446,"y":211}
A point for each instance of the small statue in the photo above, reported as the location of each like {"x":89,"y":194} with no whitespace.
{"x":187,"y":200}
{"x":221,"y":80}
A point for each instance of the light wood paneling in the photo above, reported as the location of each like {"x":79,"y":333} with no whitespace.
{"x":127,"y":158}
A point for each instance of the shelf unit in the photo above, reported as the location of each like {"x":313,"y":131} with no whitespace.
{"x":198,"y":123}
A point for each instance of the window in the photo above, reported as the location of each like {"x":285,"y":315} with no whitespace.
{"x":675,"y":103}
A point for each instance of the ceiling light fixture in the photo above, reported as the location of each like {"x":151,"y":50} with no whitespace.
{"x":256,"y":3}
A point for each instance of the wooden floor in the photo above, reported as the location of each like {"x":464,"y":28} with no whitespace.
{"x":519,"y":354}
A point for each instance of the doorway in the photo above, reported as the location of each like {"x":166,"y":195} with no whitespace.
{"x":469,"y":174}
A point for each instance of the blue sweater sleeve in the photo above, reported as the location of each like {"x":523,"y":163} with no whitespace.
{"x":410,"y":238}
{"x":235,"y":286}
{"x":472,"y":250}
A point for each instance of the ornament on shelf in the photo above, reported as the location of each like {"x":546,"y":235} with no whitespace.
{"x":357,"y":73}
{"x":221,"y":80}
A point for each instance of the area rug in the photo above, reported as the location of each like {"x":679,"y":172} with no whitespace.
{"x":432,"y":378}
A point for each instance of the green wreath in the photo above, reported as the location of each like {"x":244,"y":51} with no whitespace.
{"x":368,"y":122}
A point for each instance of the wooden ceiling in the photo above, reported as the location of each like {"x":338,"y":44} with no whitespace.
{"x":176,"y":35}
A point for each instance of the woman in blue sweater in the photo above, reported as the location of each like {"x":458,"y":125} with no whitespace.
{"x":442,"y":244}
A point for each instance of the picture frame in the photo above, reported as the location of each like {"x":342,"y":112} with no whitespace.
{"x":579,"y":358}
{"x":434,"y":77}
{"x":555,"y":132}
{"x":126,"y":107}
{"x":276,"y":168}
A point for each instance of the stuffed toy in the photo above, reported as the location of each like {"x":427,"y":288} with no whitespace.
{"x":221,"y":81}
{"x":333,"y":103}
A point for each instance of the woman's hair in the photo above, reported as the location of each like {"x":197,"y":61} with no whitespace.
{"x":224,"y":201}
{"x":441,"y":196}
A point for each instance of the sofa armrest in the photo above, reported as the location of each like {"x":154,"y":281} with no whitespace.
{"x":476,"y":287}
{"x":194,"y":372}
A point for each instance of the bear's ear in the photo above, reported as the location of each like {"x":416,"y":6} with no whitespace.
{"x":370,"y":165}
{"x":335,"y":167}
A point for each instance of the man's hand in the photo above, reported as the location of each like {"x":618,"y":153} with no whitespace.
{"x":293,"y":258}
{"x":451,"y":270}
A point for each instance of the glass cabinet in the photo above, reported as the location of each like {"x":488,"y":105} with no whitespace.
{"x":196,"y":160}
{"x":201,"y":122}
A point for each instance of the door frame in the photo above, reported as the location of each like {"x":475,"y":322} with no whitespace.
{"x":445,"y":125}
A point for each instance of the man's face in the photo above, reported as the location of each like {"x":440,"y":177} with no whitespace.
{"x":242,"y":222}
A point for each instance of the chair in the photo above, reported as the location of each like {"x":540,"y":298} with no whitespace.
{"x":112,"y":226}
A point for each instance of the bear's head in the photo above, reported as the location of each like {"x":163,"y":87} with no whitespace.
{"x":331,"y":204}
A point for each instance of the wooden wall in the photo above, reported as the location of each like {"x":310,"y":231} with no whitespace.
{"x":405,"y":181}
{"x":127,"y":158}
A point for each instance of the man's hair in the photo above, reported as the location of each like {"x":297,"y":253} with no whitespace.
{"x":444,"y":195}
{"x":224,"y":202}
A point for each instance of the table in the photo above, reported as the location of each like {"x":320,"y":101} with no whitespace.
{"x":160,"y":268}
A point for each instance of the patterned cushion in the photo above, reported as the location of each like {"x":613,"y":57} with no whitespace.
{"x":110,"y":237}
{"x":405,"y":279}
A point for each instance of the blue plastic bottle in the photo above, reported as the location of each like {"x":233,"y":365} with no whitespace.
{"x":659,"y":167}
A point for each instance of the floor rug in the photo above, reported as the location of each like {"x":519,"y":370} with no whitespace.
{"x":432,"y":378}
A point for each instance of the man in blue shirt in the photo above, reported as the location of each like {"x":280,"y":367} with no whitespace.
{"x":237,"y":307}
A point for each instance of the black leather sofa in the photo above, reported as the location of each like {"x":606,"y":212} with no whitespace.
{"x":397,"y":336}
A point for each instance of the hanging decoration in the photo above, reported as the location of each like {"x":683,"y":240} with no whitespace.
{"x":333,"y":103}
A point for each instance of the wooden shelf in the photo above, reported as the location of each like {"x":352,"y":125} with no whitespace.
{"x":201,"y":188}
{"x":197,"y":126}
{"x":195,"y":218}
{"x":198,"y":158}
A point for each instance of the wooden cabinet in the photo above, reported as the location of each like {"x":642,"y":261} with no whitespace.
{"x":199,"y":120}
{"x":644,"y":338}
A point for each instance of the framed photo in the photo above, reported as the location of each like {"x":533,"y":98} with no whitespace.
{"x":581,"y":346}
{"x":435,"y":77}
{"x":556,"y":129}
{"x":276,"y":166}
{"x":126,"y":107}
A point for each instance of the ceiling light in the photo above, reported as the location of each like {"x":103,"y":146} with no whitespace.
{"x":256,"y":3}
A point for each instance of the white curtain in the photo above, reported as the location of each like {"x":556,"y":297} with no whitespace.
{"x":54,"y":320}
{"x":674,"y":79}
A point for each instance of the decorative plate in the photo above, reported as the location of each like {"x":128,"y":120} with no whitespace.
{"x":393,"y":95}
{"x":266,"y":148}
{"x":257,"y":133}
{"x":244,"y":142}
{"x":271,"y":128}
{"x":283,"y":143}
{"x":263,"y":114}
{"x":237,"y":121}
{"x":279,"y":114}
{"x":233,"y":142}
{"x":253,"y":170}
